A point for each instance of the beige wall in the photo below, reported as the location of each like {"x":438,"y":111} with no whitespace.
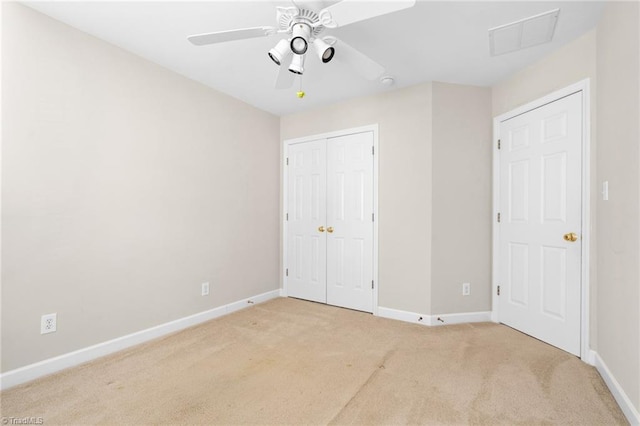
{"x":571,"y":63}
{"x":404,"y":118}
{"x":461,"y":203}
{"x":618,"y":162}
{"x":125,"y":186}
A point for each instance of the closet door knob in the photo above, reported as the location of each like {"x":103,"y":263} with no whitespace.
{"x":321,"y":229}
{"x":330,"y":229}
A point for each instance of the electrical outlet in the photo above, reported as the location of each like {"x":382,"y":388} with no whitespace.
{"x":48,"y":323}
{"x":466,"y":289}
{"x":205,"y":289}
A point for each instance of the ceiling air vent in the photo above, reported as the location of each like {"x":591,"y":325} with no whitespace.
{"x":523,"y":33}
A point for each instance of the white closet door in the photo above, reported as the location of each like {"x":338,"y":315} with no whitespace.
{"x":307,"y":244}
{"x":350,"y":221}
{"x":540,"y":205}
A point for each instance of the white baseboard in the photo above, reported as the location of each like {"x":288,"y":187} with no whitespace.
{"x":405,"y":316}
{"x":434,"y":320}
{"x":48,"y":366}
{"x":448,"y":319}
{"x":627,"y":407}
{"x":260,"y":298}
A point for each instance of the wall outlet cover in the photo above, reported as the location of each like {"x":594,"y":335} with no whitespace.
{"x":205,"y":289}
{"x":466,"y":289}
{"x":48,"y":323}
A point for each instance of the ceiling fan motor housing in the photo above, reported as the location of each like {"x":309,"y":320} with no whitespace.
{"x":287,"y":17}
{"x":301,"y":33}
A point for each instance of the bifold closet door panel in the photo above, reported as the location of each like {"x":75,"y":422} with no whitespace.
{"x":350,"y":221}
{"x":307,"y":243}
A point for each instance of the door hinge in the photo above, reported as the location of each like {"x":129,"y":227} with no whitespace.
{"x":498,"y":290}
{"x":372,"y":284}
{"x":499,"y":143}
{"x":287,"y":216}
{"x":498,"y":217}
{"x":287,"y":272}
{"x":373,"y":150}
{"x":287,"y":161}
{"x":373,"y":218}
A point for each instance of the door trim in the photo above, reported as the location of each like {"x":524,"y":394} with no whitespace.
{"x":581,"y":86}
{"x":284,"y":188}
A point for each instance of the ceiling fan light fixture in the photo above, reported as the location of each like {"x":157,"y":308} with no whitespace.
{"x":280,"y":52}
{"x":324,"y":50}
{"x":297,"y":64}
{"x":299,"y":39}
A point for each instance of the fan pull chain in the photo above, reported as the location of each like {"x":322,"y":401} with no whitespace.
{"x":300,"y":92}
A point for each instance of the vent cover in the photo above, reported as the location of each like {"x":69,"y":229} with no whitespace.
{"x":523,"y":33}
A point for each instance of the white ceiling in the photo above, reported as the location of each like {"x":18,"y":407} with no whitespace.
{"x":434,"y":41}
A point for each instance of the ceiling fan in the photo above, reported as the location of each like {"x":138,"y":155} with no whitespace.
{"x":302,"y":25}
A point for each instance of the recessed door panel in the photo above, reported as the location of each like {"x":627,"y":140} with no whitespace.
{"x":338,"y":194}
{"x":554,"y":189}
{"x":359,"y":196}
{"x":316,"y":261}
{"x":359,"y":260}
{"x":317,"y":204}
{"x":518,"y":274}
{"x":519,"y":191}
{"x":554,"y":282}
{"x":338,"y":258}
{"x":554,"y":127}
{"x":518,"y":138}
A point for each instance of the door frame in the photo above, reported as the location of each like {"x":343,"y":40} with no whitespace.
{"x":584,"y":87}
{"x":284,"y":188}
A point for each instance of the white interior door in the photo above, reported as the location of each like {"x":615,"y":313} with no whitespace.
{"x":540,"y":208}
{"x":330,"y":210}
{"x":307,"y":243}
{"x":350,"y":221}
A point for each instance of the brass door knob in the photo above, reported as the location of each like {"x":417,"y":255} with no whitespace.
{"x":330,"y":229}
{"x":321,"y":229}
{"x":571,"y":237}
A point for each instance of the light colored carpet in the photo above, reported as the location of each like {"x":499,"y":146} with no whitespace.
{"x":293,"y":362}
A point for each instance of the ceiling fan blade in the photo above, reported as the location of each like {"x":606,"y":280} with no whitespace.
{"x":349,"y":11}
{"x":364,"y":65}
{"x":309,"y":4}
{"x":285,"y":78}
{"x":222,"y":36}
